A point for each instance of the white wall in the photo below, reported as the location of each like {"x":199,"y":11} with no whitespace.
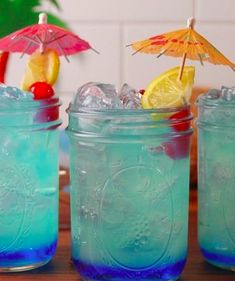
{"x":109,"y":25}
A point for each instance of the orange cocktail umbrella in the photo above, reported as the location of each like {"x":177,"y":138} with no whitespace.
{"x":185,"y":43}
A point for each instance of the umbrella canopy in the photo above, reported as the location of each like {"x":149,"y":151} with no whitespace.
{"x":44,"y":35}
{"x":185,"y":43}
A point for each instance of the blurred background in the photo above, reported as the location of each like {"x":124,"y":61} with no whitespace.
{"x":109,"y":25}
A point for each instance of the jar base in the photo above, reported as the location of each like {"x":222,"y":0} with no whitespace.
{"x":85,"y":279}
{"x":229,"y":268}
{"x":27,"y":259}
{"x":24,"y":267}
{"x":95,"y":272}
{"x":219,"y":260}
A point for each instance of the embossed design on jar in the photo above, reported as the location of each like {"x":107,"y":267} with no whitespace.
{"x":228,"y":199}
{"x":15,"y":205}
{"x":136,"y":216}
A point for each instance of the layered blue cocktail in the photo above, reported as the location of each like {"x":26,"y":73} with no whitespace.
{"x":216,"y":147}
{"x":129,"y":187}
{"x":28,"y":180}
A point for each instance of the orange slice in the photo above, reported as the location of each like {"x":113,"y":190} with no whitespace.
{"x":41,"y":67}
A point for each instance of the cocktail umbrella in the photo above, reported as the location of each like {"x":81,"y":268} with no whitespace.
{"x":185,"y":43}
{"x":43,"y":36}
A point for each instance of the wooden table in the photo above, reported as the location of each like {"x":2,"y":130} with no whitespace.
{"x":61,"y":269}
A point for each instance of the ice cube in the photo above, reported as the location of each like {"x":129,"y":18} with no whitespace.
{"x":213,"y":94}
{"x":13,"y":100}
{"x":228,"y":94}
{"x":130,"y":97}
{"x":9,"y":93}
{"x":96,"y":95}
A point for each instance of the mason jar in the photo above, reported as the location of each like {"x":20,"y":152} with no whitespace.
{"x":129,"y":192}
{"x":216,"y":185}
{"x":28,"y":182}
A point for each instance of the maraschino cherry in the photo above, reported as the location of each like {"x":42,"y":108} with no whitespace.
{"x":41,"y":90}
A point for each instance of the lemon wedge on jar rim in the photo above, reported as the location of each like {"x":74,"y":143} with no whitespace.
{"x":166,"y":91}
{"x":41,"y":67}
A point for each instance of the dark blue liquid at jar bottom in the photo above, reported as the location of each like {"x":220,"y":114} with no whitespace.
{"x":225,"y":261}
{"x":97,"y":272}
{"x":27,"y":257}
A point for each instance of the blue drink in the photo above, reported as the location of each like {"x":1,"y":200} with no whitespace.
{"x":28,"y":181}
{"x":216,"y":145}
{"x":129,"y":194}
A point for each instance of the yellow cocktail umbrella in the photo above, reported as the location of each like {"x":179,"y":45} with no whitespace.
{"x":185,"y":43}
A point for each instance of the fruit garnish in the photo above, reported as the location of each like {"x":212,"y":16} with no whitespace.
{"x":4,"y":56}
{"x":166,"y":91}
{"x":41,"y":67}
{"x":177,"y":148}
{"x":141,"y":91}
{"x":41,"y":90}
{"x":181,"y":125}
{"x":47,"y":114}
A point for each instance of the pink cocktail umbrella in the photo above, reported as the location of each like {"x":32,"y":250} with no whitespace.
{"x":44,"y":36}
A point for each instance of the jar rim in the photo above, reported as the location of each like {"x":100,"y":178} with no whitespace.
{"x":29,"y":105}
{"x":123,"y":123}
{"x":122,"y":112}
{"x":202,"y":100}
{"x":31,"y":114}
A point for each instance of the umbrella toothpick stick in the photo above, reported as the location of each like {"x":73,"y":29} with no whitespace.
{"x":42,"y":20}
{"x":182,"y":67}
{"x":190,"y":25}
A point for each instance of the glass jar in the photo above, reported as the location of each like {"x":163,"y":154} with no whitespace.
{"x":216,"y":178}
{"x":129,"y":192}
{"x":28,"y":183}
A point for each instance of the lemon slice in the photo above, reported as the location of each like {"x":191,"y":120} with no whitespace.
{"x":166,"y":91}
{"x":41,"y":67}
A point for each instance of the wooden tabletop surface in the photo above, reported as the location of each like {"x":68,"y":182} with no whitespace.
{"x":61,"y":269}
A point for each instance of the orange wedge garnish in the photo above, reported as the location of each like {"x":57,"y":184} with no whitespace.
{"x":41,"y":67}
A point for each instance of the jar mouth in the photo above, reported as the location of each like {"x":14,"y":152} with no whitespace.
{"x":30,"y":114}
{"x":215,"y":113}
{"x":123,"y":112}
{"x":204,"y":101}
{"x":130,"y":122}
{"x":28,"y":105}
